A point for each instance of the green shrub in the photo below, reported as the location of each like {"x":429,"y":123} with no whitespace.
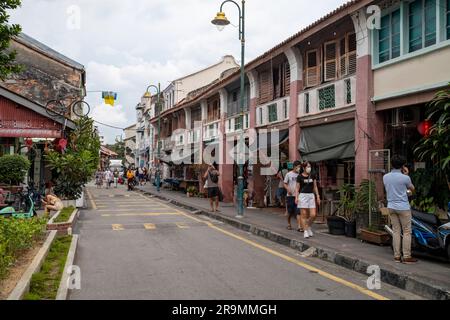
{"x":13,"y":169}
{"x":64,"y":215}
{"x":17,"y":235}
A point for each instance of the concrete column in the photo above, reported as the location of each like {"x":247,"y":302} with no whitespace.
{"x":254,"y":95}
{"x":295,"y":59}
{"x":225,"y":148}
{"x":368,"y":124}
{"x":204,"y":107}
{"x":187,"y":112}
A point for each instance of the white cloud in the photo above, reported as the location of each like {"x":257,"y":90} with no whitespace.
{"x":127,"y":45}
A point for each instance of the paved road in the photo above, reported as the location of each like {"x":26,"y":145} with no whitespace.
{"x":135,"y":247}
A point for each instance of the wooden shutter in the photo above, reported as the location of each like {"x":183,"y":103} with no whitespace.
{"x":351,"y":38}
{"x":287,"y":79}
{"x":265,"y":87}
{"x":343,"y":58}
{"x":330,"y":61}
{"x":312,"y":70}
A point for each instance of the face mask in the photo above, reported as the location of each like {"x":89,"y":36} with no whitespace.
{"x":308,"y":170}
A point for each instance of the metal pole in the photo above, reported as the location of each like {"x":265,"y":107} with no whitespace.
{"x":240,"y":208}
{"x":158,"y":168}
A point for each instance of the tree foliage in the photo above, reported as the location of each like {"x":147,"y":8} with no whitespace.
{"x":7,"y":32}
{"x":435,"y":146}
{"x":13,"y":169}
{"x":75,"y":167}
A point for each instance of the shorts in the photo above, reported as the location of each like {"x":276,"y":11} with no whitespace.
{"x":291,"y":206}
{"x":281,"y":193}
{"x":307,"y":201}
{"x":213,"y":192}
{"x":141,"y":177}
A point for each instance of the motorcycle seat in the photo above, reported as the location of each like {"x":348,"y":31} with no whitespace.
{"x":426,"y":217}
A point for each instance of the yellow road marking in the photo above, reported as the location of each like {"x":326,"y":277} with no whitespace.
{"x":153,"y":214}
{"x":295,"y":261}
{"x":94,"y":206}
{"x":149,"y":226}
{"x":117,"y":227}
{"x":182,"y":225}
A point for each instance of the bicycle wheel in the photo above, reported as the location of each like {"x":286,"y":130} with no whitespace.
{"x":55,"y":108}
{"x":81,"y":108}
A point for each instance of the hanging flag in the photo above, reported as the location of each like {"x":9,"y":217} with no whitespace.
{"x":109,"y":97}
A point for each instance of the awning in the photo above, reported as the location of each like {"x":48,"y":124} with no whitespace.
{"x":327,"y":142}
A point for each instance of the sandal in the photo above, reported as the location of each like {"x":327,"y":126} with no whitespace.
{"x":300,"y":230}
{"x":289,"y":228}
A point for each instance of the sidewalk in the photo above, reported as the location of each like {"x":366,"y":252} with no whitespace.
{"x":429,"y":278}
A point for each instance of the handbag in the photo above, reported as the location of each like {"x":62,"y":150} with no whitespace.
{"x":220,"y":195}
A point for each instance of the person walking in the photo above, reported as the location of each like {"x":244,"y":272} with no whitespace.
{"x":116,"y":177}
{"x":305,"y":199}
{"x":109,"y":178}
{"x":130,"y":179}
{"x":212,"y":185}
{"x":397,"y":183}
{"x":290,"y":184}
{"x":281,"y":191}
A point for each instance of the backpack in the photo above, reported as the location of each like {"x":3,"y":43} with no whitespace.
{"x":214,"y":178}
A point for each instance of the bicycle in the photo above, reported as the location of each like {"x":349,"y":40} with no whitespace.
{"x":56,"y":108}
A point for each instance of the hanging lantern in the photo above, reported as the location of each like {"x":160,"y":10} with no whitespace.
{"x":109,"y":97}
{"x":424,"y":128}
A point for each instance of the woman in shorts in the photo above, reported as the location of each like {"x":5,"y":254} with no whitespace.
{"x":305,"y":199}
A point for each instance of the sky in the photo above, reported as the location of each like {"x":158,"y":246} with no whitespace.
{"x":127,"y":45}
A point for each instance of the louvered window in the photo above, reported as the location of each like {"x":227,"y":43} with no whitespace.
{"x":422,"y":24}
{"x":347,"y":55}
{"x":307,"y":103}
{"x":348,"y":91}
{"x":330,"y":70}
{"x":312,"y":71}
{"x":389,"y":37}
{"x":265,"y":87}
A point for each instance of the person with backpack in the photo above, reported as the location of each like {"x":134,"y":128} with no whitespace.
{"x":212,"y":185}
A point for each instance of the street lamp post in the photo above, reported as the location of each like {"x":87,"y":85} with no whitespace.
{"x":221,"y":21}
{"x":158,"y":107}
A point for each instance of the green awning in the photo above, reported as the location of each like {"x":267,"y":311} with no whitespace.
{"x":328,"y":142}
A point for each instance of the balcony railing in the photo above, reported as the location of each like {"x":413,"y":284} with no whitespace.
{"x":211,"y":131}
{"x":273,"y":112}
{"x":330,"y":96}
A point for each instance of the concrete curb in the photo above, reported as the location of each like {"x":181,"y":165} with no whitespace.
{"x":63,"y":227}
{"x":23,"y":286}
{"x":389,"y":276}
{"x":63,"y":289}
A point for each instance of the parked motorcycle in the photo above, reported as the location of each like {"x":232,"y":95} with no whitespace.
{"x":429,"y":234}
{"x":23,"y":209}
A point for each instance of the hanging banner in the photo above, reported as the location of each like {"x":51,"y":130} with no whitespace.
{"x":109,"y":97}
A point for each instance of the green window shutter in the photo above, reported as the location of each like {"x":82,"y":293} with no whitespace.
{"x":307,"y":102}
{"x":383,"y":36}
{"x":395,"y":34}
{"x":273,"y":113}
{"x":327,"y":98}
{"x":448,"y":20}
{"x":415,"y":25}
{"x":430,"y":22}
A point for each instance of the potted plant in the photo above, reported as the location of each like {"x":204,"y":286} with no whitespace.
{"x":367,"y":206}
{"x":191,"y":191}
{"x":347,"y":207}
{"x":13,"y":170}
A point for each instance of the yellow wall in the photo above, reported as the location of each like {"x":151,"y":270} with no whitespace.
{"x":418,"y":72}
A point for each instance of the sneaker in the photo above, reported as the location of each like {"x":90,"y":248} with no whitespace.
{"x":410,"y":260}
{"x":398,"y":259}
{"x":310,"y":232}
{"x":306,"y":235}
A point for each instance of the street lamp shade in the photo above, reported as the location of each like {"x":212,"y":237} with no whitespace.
{"x":147,"y":95}
{"x":220,"y":21}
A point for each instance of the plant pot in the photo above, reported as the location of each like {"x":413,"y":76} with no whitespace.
{"x":350,"y":229}
{"x":377,"y":237}
{"x":69,"y":203}
{"x":336,"y":225}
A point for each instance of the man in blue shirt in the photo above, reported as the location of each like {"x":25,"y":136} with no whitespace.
{"x":397,"y":183}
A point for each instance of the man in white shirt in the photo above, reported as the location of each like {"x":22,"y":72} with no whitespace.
{"x":290,"y":184}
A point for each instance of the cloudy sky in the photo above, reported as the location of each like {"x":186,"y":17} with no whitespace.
{"x":127,"y":45}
